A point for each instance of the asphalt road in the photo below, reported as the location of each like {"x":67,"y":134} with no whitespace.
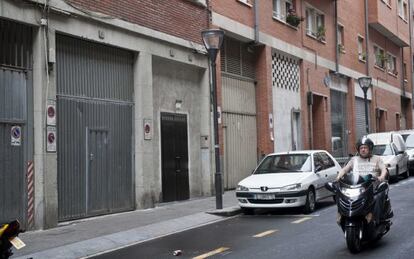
{"x":284,"y":234}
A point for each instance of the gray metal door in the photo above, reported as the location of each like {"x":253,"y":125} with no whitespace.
{"x":94,"y":128}
{"x":240,"y":134}
{"x":97,"y":174}
{"x":360,"y":117}
{"x":13,"y":114}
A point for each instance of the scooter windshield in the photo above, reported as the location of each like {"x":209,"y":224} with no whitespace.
{"x":354,"y":177}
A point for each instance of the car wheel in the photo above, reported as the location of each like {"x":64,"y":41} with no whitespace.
{"x":310,"y":202}
{"x":247,"y":211}
{"x":395,"y":178}
{"x":405,"y":175}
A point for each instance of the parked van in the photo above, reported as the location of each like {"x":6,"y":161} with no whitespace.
{"x":391,"y":147}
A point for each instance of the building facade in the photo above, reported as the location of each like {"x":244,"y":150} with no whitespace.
{"x":308,"y":56}
{"x":104,"y":107}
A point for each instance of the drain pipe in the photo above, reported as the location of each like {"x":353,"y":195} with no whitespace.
{"x":411,"y":59}
{"x":256,"y":22}
{"x":336,"y":39}
{"x":366,"y":39}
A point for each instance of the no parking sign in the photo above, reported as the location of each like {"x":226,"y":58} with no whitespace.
{"x":16,"y":135}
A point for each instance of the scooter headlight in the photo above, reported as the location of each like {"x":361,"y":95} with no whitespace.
{"x":352,"y":192}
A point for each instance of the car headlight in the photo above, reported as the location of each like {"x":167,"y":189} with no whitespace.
{"x":352,"y":192}
{"x":242,"y":188}
{"x":291,"y":187}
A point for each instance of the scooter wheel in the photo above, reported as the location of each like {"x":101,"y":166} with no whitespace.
{"x":352,"y":240}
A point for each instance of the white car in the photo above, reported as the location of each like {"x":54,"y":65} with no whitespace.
{"x":391,"y":147}
{"x":288,"y":179}
{"x":408,"y":136}
{"x":395,"y":161}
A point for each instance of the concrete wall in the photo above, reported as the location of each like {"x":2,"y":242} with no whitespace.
{"x":167,"y":67}
{"x":173,"y":81}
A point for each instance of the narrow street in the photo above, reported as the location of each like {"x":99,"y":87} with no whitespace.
{"x":283,"y":234}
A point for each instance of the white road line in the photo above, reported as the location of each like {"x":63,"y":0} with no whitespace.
{"x":211,"y":253}
{"x":301,"y":220}
{"x":266,"y":233}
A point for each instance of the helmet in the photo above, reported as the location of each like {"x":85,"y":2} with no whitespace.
{"x":365,"y":141}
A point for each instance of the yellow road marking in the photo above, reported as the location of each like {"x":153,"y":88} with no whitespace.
{"x":211,"y":253}
{"x":301,"y":220}
{"x":266,"y":233}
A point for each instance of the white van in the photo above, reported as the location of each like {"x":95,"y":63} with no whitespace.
{"x":391,"y":147}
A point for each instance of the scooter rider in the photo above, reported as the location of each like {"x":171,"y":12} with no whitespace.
{"x":366,"y":164}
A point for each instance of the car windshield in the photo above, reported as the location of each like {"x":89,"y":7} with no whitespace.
{"x":285,"y":163}
{"x":409,"y":141}
{"x":382,"y":150}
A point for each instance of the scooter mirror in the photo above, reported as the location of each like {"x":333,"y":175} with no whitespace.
{"x":382,"y":187}
{"x":330,"y":187}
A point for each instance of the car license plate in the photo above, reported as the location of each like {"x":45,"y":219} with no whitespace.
{"x":17,"y":242}
{"x":266,"y":196}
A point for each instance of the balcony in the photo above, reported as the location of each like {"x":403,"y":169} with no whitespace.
{"x":386,"y":19}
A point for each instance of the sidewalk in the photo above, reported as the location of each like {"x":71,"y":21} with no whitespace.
{"x":90,"y":236}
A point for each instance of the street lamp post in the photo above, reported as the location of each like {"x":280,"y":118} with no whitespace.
{"x":213,"y":39}
{"x":365,"y":83}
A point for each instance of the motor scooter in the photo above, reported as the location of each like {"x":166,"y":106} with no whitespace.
{"x":9,"y":237}
{"x":359,"y":216}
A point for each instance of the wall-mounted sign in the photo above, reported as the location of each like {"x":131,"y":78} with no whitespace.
{"x":16,"y":136}
{"x":271,"y":120}
{"x":219,"y":114}
{"x":51,"y":113}
{"x":51,"y":139}
{"x":147,"y":129}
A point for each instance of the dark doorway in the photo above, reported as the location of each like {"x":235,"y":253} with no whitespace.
{"x":174,"y":156}
{"x":319,"y":127}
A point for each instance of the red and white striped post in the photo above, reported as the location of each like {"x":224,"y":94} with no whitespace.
{"x":30,"y":194}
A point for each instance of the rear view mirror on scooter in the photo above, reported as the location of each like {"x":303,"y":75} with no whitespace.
{"x":381,"y":187}
{"x":330,"y":186}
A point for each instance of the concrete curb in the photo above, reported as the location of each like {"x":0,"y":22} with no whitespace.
{"x":226,"y":212}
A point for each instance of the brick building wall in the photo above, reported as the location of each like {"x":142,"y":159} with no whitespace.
{"x":180,"y":18}
{"x":323,"y":53}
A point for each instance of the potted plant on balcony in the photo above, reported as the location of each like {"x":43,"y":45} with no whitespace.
{"x":320,"y":33}
{"x":341,"y":48}
{"x":293,"y":19}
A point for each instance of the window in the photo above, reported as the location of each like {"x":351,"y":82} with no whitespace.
{"x":315,"y":23}
{"x":391,"y":64}
{"x":379,"y":57}
{"x":341,"y":44}
{"x":361,"y":52}
{"x":281,"y":9}
{"x":402,"y":9}
{"x":327,"y":161}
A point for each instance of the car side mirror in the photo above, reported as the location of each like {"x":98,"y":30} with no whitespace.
{"x":401,"y":152}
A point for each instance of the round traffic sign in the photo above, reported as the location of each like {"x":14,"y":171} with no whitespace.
{"x":51,"y":137}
